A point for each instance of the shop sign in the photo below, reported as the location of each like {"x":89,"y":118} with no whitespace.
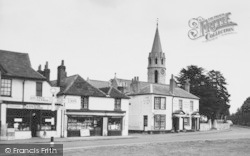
{"x":32,"y":106}
{"x":41,"y":99}
{"x":15,"y":106}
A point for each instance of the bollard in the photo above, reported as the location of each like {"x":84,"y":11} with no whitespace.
{"x":51,"y":142}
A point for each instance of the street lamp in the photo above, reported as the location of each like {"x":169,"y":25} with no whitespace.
{"x":54,"y":91}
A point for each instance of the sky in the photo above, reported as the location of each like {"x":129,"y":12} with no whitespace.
{"x":98,"y":38}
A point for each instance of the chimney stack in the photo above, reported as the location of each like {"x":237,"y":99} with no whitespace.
{"x":46,"y":71}
{"x":135,"y":85}
{"x":172,"y":84}
{"x":40,"y":70}
{"x":187,"y":85}
{"x":61,"y":74}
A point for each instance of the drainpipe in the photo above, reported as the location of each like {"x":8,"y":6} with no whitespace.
{"x":23,"y":91}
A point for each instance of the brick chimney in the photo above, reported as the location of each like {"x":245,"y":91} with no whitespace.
{"x":172,"y":84}
{"x":46,"y":72}
{"x":135,"y":85}
{"x":187,"y":85}
{"x":61,"y":74}
{"x":40,"y":70}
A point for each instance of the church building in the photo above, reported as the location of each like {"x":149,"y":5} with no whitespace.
{"x":154,"y":106}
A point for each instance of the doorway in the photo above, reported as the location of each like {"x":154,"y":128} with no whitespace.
{"x":176,"y":124}
{"x":35,"y":120}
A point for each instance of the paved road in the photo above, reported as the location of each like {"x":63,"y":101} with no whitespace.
{"x":234,"y":133}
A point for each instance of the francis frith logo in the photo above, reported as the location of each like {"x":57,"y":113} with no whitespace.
{"x":211,"y":28}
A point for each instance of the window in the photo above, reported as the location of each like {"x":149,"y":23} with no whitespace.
{"x":149,"y":60}
{"x":161,"y":61}
{"x":160,"y":103}
{"x":160,"y":122}
{"x":39,"y":88}
{"x":191,"y":106}
{"x":6,"y":85}
{"x":117,"y":104}
{"x":180,"y":105}
{"x":84,"y":102}
{"x":156,"y":76}
{"x":156,"y":61}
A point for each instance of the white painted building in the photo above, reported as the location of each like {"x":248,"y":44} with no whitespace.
{"x":25,"y":101}
{"x":90,"y":111}
{"x":155,"y":106}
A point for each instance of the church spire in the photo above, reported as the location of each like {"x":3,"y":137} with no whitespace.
{"x":157,"y":42}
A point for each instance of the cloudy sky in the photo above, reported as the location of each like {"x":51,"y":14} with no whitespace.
{"x":98,"y":38}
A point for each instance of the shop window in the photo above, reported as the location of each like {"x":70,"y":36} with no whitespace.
{"x":18,"y":119}
{"x":115,"y":124}
{"x":186,"y":121}
{"x":48,"y":120}
{"x":84,"y":102}
{"x":117,"y":104}
{"x":191,"y":106}
{"x":160,"y":103}
{"x":160,"y":122}
{"x":6,"y":85}
{"x":78,"y":123}
{"x":180,"y":105}
{"x":39,"y":88}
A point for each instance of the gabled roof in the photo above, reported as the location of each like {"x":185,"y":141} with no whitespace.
{"x":76,"y":85}
{"x":18,"y":65}
{"x":113,"y":93}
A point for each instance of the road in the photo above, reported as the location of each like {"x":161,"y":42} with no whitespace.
{"x":140,"y":139}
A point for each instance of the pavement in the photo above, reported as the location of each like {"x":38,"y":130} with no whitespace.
{"x":37,"y":140}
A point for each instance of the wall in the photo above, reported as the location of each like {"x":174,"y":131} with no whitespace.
{"x":140,"y":105}
{"x":29,"y":91}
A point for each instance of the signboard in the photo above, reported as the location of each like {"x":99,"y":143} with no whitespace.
{"x":18,"y":120}
{"x":30,"y":106}
{"x":84,"y":132}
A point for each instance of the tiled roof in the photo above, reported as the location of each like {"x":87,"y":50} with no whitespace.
{"x":76,"y":85}
{"x":15,"y":64}
{"x":114,"y":93}
{"x":162,"y":89}
{"x":99,"y":84}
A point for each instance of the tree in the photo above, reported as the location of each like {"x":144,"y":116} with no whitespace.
{"x":210,"y":88}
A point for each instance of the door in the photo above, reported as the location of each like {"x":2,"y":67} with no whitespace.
{"x":145,"y":122}
{"x":97,"y":127}
{"x":194,"y":124}
{"x":176,"y":124}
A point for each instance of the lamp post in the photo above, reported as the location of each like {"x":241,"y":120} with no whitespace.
{"x":54,"y":91}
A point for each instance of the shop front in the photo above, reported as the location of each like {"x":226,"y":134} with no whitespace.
{"x":99,"y":124}
{"x":32,"y":120}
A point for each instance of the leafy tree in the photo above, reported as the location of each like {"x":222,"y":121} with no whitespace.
{"x":210,"y":88}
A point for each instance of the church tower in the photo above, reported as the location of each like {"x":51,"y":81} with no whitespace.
{"x":156,"y":61}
